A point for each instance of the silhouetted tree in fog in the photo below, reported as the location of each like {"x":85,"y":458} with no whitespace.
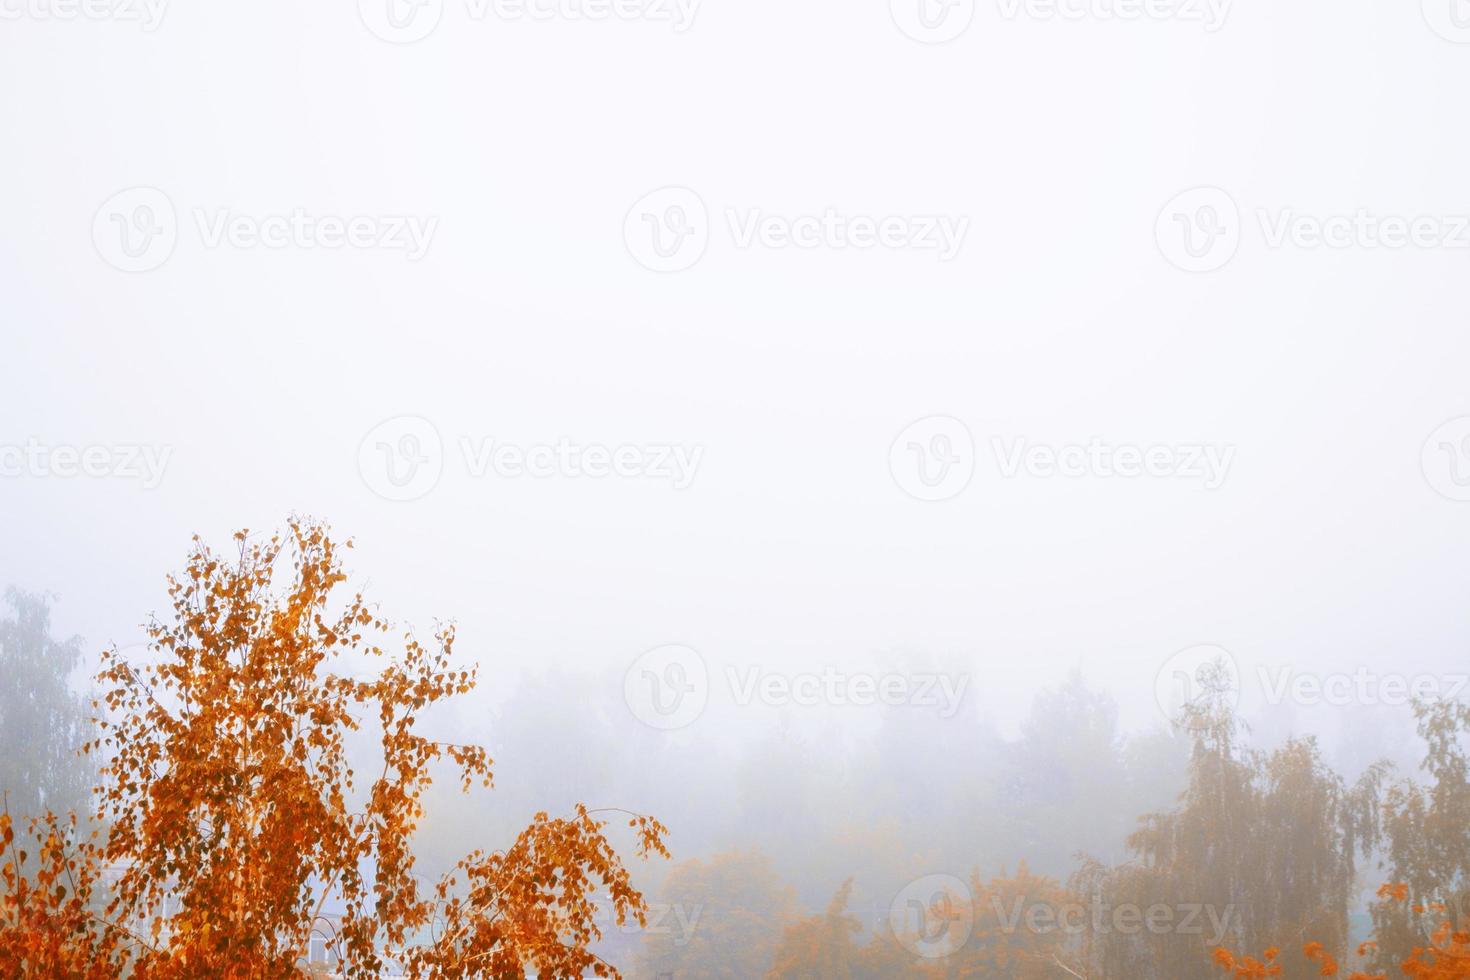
{"x":43,"y":722}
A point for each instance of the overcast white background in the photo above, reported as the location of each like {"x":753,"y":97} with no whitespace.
{"x":529,"y":320}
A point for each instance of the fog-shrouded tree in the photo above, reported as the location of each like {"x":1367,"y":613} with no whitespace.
{"x":1063,"y":776}
{"x":1020,"y":929}
{"x":823,"y":945}
{"x":719,"y":919}
{"x":1261,"y":850}
{"x":1427,"y":840}
{"x":44,"y":721}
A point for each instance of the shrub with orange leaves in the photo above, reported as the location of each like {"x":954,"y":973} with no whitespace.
{"x":1246,"y":967}
{"x":1447,"y":957}
{"x":226,"y":787}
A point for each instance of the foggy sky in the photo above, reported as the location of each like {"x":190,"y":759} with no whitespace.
{"x":528,"y":321}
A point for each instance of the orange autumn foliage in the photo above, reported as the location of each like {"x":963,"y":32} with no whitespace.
{"x":985,"y":929}
{"x":1447,"y":957}
{"x":48,"y":927}
{"x":227,"y":792}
